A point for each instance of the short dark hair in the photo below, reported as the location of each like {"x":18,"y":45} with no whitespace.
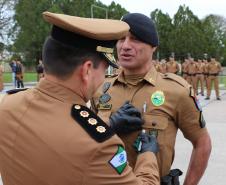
{"x":61,"y":60}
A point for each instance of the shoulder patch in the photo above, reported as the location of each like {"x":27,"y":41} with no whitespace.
{"x":119,"y":160}
{"x":91,"y":123}
{"x":13,"y":91}
{"x":177,"y":79}
{"x":202,"y":121}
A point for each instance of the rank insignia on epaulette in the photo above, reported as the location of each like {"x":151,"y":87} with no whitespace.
{"x":104,"y":98}
{"x":119,"y":160}
{"x":105,"y":106}
{"x":106,"y":86}
{"x":93,"y":124}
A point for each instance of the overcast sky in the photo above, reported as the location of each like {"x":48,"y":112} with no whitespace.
{"x":201,"y":8}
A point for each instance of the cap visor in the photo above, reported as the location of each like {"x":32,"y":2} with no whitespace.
{"x":110,"y":59}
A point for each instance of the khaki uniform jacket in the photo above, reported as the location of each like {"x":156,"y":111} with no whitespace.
{"x":42,"y":144}
{"x":172,"y":67}
{"x":192,"y":68}
{"x":167,"y":103}
{"x":213,"y":67}
{"x":200,"y":68}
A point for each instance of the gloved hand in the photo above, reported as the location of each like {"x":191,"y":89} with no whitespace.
{"x":126,"y":119}
{"x":148,"y":143}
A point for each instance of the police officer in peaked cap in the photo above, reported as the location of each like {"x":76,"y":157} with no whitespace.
{"x":47,"y":133}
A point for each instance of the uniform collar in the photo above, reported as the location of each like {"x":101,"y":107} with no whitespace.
{"x":150,"y":77}
{"x":59,"y":92}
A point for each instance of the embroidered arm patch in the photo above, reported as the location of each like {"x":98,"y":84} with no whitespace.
{"x":119,"y":160}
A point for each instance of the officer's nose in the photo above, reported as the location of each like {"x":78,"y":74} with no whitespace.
{"x":126,"y":44}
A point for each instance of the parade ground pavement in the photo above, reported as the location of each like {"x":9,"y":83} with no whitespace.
{"x":214,"y":112}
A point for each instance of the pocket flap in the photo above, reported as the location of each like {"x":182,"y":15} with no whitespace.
{"x":155,"y":122}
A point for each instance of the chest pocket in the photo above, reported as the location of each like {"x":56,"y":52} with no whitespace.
{"x":155,"y":123}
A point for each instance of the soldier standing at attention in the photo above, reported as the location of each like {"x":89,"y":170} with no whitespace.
{"x":191,"y":69}
{"x":49,"y":136}
{"x":184,"y":69}
{"x":163,"y":66}
{"x":213,"y":69}
{"x":167,"y":102}
{"x":157,"y":65}
{"x":200,"y":76}
{"x":205,"y":64}
{"x":172,"y":66}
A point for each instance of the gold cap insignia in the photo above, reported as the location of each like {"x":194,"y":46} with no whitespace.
{"x":101,"y":129}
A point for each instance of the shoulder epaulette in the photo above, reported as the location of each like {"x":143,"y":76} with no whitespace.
{"x":177,"y":79}
{"x":13,"y":91}
{"x":91,"y":123}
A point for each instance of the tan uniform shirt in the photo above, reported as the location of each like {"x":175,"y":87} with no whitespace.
{"x":200,"y":68}
{"x":213,"y":67}
{"x":167,"y":104}
{"x":184,"y":67}
{"x":192,"y":68}
{"x":172,"y":67}
{"x":163,"y":68}
{"x":41,"y":143}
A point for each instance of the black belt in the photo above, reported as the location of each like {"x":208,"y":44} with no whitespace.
{"x":191,"y":74}
{"x":199,"y":73}
{"x":214,"y":74}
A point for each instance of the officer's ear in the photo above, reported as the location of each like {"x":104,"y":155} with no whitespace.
{"x":86,"y":70}
{"x":153,"y":49}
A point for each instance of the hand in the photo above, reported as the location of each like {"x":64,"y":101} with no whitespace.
{"x":148,"y":143}
{"x":126,"y":119}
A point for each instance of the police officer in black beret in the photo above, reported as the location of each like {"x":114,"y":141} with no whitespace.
{"x":167,"y":102}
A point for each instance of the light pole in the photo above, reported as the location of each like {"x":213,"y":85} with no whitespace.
{"x":110,"y":69}
{"x":102,"y":8}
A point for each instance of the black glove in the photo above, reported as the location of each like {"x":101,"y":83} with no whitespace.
{"x":126,"y":119}
{"x":148,"y":143}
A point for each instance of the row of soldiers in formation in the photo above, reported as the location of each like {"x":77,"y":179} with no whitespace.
{"x":195,"y":72}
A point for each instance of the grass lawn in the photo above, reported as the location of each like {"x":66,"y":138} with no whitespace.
{"x":223,"y":81}
{"x":28,"y":77}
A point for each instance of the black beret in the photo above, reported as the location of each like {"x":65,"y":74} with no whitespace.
{"x":142,"y":27}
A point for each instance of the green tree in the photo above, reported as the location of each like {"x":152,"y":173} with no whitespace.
{"x":30,"y":29}
{"x":214,"y":28}
{"x":6,"y":7}
{"x":164,"y":26}
{"x":188,"y":34}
